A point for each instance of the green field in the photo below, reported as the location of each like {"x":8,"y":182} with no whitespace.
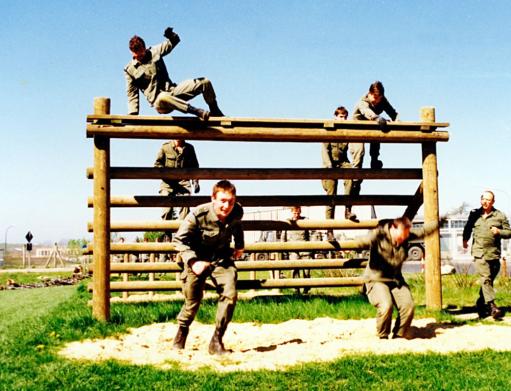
{"x":35,"y":324}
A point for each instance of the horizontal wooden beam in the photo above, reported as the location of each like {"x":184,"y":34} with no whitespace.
{"x":195,"y":123}
{"x":248,"y":225}
{"x":118,"y":286}
{"x":166,"y":267}
{"x":259,"y":173}
{"x":151,"y":247}
{"x":208,"y":131}
{"x":249,"y":201}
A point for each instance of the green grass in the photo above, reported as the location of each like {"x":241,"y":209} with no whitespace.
{"x":36,"y":323}
{"x":31,"y":277}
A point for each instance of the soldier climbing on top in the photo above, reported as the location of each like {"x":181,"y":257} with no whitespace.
{"x":147,"y":72}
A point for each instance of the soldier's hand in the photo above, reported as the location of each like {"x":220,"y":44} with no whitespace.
{"x":495,"y":231}
{"x":169,"y":31}
{"x":198,"y":267}
{"x":171,"y":36}
{"x":238,"y":253}
{"x":196,"y":186}
{"x":382,"y":124}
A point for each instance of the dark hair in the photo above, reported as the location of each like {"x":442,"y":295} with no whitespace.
{"x":136,"y":43}
{"x":225,"y":186}
{"x":404,"y":221}
{"x":377,"y":86}
{"x":341,"y":110}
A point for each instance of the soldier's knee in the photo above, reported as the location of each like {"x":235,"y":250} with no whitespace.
{"x":385,"y":308}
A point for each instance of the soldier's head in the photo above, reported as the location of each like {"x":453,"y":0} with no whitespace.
{"x":296,"y":212}
{"x":487,"y":200}
{"x":341,"y":113}
{"x":223,"y":198}
{"x":400,"y":230}
{"x":376,"y":92}
{"x":137,"y":47}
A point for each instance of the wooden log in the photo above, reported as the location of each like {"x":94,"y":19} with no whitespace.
{"x":150,"y":247}
{"x":416,"y":203}
{"x":260,"y":173}
{"x":230,"y":122}
{"x":433,"y":277}
{"x":242,"y":284}
{"x":101,"y":278}
{"x":248,"y":201}
{"x":206,"y":131}
{"x":248,"y":225}
{"x":169,"y":267}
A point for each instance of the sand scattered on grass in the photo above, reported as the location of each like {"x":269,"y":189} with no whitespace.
{"x":276,"y":346}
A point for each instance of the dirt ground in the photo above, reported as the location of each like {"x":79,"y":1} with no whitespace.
{"x":276,"y":346}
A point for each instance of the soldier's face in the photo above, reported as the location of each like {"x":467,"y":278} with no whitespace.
{"x":139,"y":54}
{"x":487,"y":201}
{"x":296,"y":212}
{"x":223,"y":202}
{"x":375,"y":98}
{"x":399,"y":233}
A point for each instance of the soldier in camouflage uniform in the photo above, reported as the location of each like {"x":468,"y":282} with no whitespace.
{"x":335,"y":155}
{"x":369,"y":108}
{"x":177,"y":154}
{"x":147,"y":73}
{"x":203,"y":240}
{"x":386,"y":286}
{"x":487,"y":226}
{"x":301,"y":235}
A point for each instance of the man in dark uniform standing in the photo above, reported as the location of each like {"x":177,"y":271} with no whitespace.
{"x":177,"y":154}
{"x":147,"y":72}
{"x":487,"y":226}
{"x":203,"y":240}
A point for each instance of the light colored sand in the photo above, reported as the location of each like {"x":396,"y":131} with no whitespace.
{"x":275,"y":346}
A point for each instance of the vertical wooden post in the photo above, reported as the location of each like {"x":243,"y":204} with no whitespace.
{"x":101,"y":258}
{"x":151,"y":275}
{"x":433,"y":275}
{"x":125,"y":276}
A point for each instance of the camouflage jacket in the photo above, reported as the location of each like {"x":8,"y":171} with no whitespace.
{"x":386,"y":258}
{"x":203,"y":237}
{"x":484,"y":243}
{"x":364,"y":110}
{"x":149,"y":76}
{"x":170,"y":157}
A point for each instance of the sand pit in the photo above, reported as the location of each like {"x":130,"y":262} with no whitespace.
{"x":276,"y":346}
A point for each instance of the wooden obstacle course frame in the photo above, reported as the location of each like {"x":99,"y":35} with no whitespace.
{"x":102,"y":127}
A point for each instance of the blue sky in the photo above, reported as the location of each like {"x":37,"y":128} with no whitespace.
{"x":268,"y":59}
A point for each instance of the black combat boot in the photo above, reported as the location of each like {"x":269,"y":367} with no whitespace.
{"x":215,"y":110}
{"x":348,"y":215}
{"x":216,"y":346}
{"x":180,"y":338}
{"x":202,"y":114}
{"x":376,"y":163}
{"x":495,"y":311}
{"x":483,"y":309}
